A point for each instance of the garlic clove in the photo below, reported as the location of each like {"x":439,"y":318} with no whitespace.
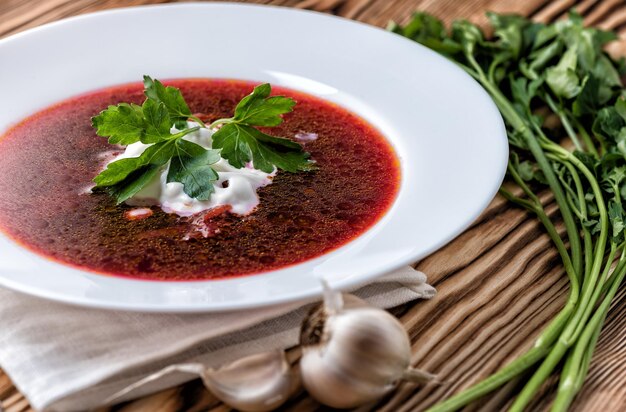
{"x":255,"y":383}
{"x":362,"y":353}
{"x":374,"y":336}
{"x":334,"y":301}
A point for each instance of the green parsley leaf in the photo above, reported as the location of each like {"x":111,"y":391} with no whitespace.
{"x":608,"y":123}
{"x":538,"y":59}
{"x":524,"y":91}
{"x":191,"y":167}
{"x":616,"y":216}
{"x":157,"y":120}
{"x":588,"y":99}
{"x":429,"y":31}
{"x":562,"y":78}
{"x":171,"y":98}
{"x":129,"y":123}
{"x":526,"y":170}
{"x":136,"y":181}
{"x":468,"y":35}
{"x":122,"y":124}
{"x":543,"y":35}
{"x":509,"y":29}
{"x":258,"y":109}
{"x":158,"y":154}
{"x":620,"y":107}
{"x":241,"y":144}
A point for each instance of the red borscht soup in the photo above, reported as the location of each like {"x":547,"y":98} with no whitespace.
{"x":48,"y":161}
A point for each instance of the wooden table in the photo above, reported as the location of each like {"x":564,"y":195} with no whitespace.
{"x":499,"y":282}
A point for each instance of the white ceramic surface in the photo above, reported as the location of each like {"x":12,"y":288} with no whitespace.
{"x":446,"y":130}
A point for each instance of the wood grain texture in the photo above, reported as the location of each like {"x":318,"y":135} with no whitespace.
{"x":499,"y":282}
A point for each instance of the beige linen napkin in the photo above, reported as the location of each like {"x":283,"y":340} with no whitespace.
{"x":70,"y":358}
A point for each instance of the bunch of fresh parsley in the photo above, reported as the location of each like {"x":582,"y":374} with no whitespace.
{"x":535,"y":71}
{"x":162,"y":122}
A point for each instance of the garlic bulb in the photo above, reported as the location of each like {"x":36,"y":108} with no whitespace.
{"x":255,"y":383}
{"x":353,"y":353}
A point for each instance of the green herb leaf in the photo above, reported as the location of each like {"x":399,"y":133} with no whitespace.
{"x":157,"y":120}
{"x":192,"y":167}
{"x":536,"y":61}
{"x":524,"y":168}
{"x":158,"y":154}
{"x":129,"y":123}
{"x":258,"y":109}
{"x":543,"y":36}
{"x":509,"y":30}
{"x":133,"y":183}
{"x":588,"y":99}
{"x":429,"y":31}
{"x":616,"y":216}
{"x":620,"y":107}
{"x":614,"y":176}
{"x":604,"y":69}
{"x":562,"y":78}
{"x":608,"y":123}
{"x":524,"y":91}
{"x":122,"y":124}
{"x":468,"y":35}
{"x":171,"y":98}
{"x":241,"y":144}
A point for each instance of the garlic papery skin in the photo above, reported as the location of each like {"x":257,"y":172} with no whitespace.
{"x":255,"y":383}
{"x":353,"y":354}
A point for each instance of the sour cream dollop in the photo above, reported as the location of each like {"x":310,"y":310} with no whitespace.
{"x":236,"y":188}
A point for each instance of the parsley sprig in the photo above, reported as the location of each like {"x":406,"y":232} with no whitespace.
{"x":162,"y":122}
{"x":535,"y":72}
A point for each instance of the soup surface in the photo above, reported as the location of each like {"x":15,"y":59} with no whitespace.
{"x":48,"y":160}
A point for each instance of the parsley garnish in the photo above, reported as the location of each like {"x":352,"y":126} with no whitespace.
{"x":161,"y":122}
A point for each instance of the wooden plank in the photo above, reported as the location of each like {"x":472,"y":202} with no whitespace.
{"x":499,"y":282}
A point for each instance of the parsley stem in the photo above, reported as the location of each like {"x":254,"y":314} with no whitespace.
{"x":547,"y":337}
{"x":588,"y":296}
{"x":565,"y":122}
{"x":590,"y":281}
{"x":538,"y":209}
{"x":183,"y":133}
{"x":526,"y":204}
{"x":514,"y":119}
{"x":582,"y":204}
{"x":511,"y":370}
{"x":220,"y":121}
{"x":622,"y":261}
{"x":522,"y":184}
{"x":577,"y":365}
{"x":586,"y":138}
{"x":197,"y":120}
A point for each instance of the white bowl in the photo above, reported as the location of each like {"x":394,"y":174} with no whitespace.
{"x":446,"y":130}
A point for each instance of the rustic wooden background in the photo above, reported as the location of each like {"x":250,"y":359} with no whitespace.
{"x":498,"y":283}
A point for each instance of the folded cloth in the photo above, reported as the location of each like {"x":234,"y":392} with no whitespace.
{"x":69,"y":358}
